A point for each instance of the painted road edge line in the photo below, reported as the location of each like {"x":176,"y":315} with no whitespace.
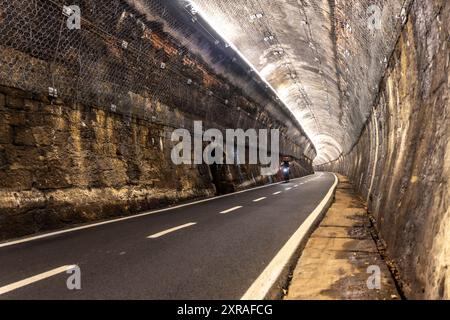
{"x":259,"y":199}
{"x":135,"y":216}
{"x":163,"y":233}
{"x":261,"y":288}
{"x":231,"y":209}
{"x":36,"y":278}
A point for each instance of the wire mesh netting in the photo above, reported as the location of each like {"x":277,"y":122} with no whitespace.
{"x":118,"y":58}
{"x":130,"y":57}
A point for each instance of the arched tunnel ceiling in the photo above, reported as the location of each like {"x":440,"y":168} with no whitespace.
{"x":322,"y":57}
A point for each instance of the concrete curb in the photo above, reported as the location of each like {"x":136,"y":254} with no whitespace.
{"x":342,"y":259}
{"x":269,"y":285}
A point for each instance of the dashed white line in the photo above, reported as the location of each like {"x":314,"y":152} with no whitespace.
{"x":275,"y":193}
{"x":231,"y":209}
{"x":259,"y":199}
{"x":287,"y":189}
{"x":296,"y":186}
{"x":36,"y":278}
{"x":163,"y":233}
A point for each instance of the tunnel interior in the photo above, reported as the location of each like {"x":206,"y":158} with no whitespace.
{"x":325,"y":59}
{"x":358,"y":87}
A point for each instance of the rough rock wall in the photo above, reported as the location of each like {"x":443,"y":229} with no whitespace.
{"x":401,"y":162}
{"x":101,"y":148}
{"x":71,"y":163}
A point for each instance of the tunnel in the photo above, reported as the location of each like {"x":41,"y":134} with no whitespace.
{"x":91,"y":93}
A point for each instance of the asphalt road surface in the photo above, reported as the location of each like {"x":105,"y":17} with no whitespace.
{"x":214,"y":249}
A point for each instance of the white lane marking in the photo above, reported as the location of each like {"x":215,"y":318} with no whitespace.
{"x":268,"y":278}
{"x":275,"y":193}
{"x":231,"y":209}
{"x":163,"y":233}
{"x":36,"y":278}
{"x":259,"y":199}
{"x":96,"y":224}
{"x":287,"y":189}
{"x":296,"y":186}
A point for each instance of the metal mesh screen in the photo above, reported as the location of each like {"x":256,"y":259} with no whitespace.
{"x":117,"y":59}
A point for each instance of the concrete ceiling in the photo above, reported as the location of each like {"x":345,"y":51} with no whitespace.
{"x":322,"y":57}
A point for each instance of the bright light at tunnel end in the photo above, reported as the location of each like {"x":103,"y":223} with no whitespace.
{"x":323,"y":154}
{"x":328,"y":144}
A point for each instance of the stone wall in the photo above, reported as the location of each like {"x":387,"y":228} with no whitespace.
{"x":101,"y":148}
{"x":71,"y":163}
{"x":401,"y":163}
